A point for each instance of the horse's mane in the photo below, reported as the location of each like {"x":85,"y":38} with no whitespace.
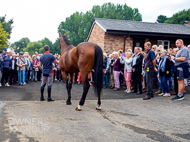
{"x":66,"y":40}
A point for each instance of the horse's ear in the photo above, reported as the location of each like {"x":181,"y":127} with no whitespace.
{"x":59,"y":34}
{"x":65,"y":34}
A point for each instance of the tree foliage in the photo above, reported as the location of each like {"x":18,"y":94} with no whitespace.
{"x":34,"y":46}
{"x":78,"y":25}
{"x":161,"y":19}
{"x":7,"y":25}
{"x":177,"y":18}
{"x":3,"y":37}
{"x":20,"y":45}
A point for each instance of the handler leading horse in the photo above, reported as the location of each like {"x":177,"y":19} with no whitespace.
{"x":83,"y":58}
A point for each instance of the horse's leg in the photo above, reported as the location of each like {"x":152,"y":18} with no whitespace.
{"x":69,"y":87}
{"x":86,"y":86}
{"x":64,"y":74}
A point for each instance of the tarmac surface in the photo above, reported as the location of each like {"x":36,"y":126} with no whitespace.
{"x":124,"y":117}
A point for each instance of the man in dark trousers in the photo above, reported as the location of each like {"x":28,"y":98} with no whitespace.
{"x":150,"y":67}
{"x":47,"y":72}
{"x":137,"y":70}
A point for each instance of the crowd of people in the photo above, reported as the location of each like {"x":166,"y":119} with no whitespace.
{"x":22,"y":68}
{"x":141,"y":71}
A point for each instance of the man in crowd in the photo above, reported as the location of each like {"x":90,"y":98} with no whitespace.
{"x":150,"y":67}
{"x":47,"y":71}
{"x":181,"y":65}
{"x":21,"y":65}
{"x":6,"y":57}
{"x":137,"y":69}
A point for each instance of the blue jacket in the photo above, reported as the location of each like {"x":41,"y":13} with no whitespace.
{"x":6,"y":63}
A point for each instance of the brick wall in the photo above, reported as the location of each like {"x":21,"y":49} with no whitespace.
{"x":97,"y":36}
{"x":109,"y":42}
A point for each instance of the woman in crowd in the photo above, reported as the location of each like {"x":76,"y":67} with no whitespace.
{"x":127,"y":70}
{"x":170,"y":53}
{"x":104,"y":69}
{"x":35,"y":68}
{"x":144,"y":73}
{"x":13,"y":70}
{"x":158,"y":58}
{"x":117,"y":71}
{"x":164,"y":71}
{"x":112,"y":60}
{"x":30,"y":69}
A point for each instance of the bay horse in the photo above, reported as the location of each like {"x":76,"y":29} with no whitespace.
{"x":82,"y":58}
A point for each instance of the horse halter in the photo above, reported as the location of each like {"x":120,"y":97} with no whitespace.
{"x":67,"y":48}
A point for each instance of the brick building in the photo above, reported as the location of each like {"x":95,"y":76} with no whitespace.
{"x":112,"y":35}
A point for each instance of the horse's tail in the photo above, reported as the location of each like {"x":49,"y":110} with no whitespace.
{"x":98,"y":70}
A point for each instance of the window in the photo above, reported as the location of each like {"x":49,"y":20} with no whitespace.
{"x":164,"y":43}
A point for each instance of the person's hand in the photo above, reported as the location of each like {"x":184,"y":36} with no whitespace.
{"x":123,"y":57}
{"x":133,"y":69}
{"x":155,"y":69}
{"x":158,"y":57}
{"x":158,"y":75}
{"x":172,"y":57}
{"x":167,"y":72}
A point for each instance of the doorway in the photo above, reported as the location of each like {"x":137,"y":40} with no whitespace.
{"x":138,"y":42}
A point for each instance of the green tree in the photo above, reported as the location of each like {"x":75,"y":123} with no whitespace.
{"x":34,"y":46}
{"x":55,"y":47}
{"x":20,"y":45}
{"x":161,"y":19}
{"x":179,"y":18}
{"x":3,"y":37}
{"x":44,"y":42}
{"x":7,"y":25}
{"x":78,"y":25}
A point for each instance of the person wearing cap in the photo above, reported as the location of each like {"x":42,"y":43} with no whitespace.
{"x":1,"y":60}
{"x":6,"y":64}
{"x":21,"y":67}
{"x":13,"y":70}
{"x":47,"y":72}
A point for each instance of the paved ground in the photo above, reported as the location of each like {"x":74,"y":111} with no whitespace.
{"x":124,"y":117}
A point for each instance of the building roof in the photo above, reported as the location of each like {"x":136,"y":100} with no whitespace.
{"x":141,"y":28}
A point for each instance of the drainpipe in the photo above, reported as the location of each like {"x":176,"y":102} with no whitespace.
{"x":124,"y":43}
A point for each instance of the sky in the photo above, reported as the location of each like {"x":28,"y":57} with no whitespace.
{"x":37,"y":19}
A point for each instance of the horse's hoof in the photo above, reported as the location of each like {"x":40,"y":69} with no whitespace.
{"x":98,"y":108}
{"x":79,"y":108}
{"x":68,"y":103}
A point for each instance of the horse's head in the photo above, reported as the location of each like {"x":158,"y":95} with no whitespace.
{"x":63,"y":42}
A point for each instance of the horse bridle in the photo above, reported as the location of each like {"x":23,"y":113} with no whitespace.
{"x":67,"y":48}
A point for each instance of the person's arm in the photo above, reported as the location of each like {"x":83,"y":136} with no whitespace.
{"x":1,"y":58}
{"x":122,"y":60}
{"x":40,"y":66}
{"x":56,"y":61}
{"x":154,"y":64}
{"x":107,"y":65}
{"x":168,"y":66}
{"x":179,"y":59}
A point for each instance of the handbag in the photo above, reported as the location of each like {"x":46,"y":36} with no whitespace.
{"x":37,"y":69}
